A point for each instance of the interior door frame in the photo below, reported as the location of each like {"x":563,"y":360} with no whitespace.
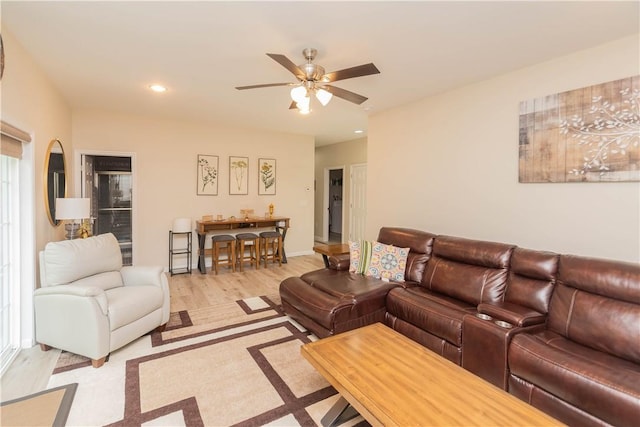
{"x":325,"y":200}
{"x":351,"y":202}
{"x":77,"y":181}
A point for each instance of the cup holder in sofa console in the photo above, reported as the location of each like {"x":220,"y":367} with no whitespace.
{"x":503,"y":324}
{"x":484,"y":316}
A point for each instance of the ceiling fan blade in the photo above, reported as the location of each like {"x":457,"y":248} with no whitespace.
{"x":349,"y":73}
{"x":286,"y":63}
{"x":345,"y":94}
{"x":265,"y":85}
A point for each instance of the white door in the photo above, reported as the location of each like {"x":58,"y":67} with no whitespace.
{"x":358,"y":202}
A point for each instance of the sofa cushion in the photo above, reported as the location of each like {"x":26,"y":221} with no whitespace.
{"x":597,"y":303}
{"x":420,"y":244}
{"x":70,"y":260}
{"x":469,"y":270}
{"x":130,"y":303}
{"x":532,"y":277}
{"x":341,"y":284}
{"x":586,"y":378}
{"x":388,"y":262}
{"x":435,"y":314}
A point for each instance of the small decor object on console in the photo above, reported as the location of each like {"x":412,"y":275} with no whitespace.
{"x":267,"y":172}
{"x":207,"y":175}
{"x":271,"y":208}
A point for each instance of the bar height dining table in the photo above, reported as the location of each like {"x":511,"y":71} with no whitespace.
{"x":280,"y":224}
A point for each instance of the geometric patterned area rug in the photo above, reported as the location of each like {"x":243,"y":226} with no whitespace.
{"x":46,"y":408}
{"x":227,"y":365}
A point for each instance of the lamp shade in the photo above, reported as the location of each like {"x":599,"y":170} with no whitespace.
{"x":323,"y":96}
{"x":73,"y":208}
{"x":298,"y":93}
{"x":181,"y":225}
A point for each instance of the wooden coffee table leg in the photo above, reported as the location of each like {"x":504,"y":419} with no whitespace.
{"x":340,"y":412}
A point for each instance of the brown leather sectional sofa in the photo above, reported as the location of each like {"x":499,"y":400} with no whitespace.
{"x":558,"y":331}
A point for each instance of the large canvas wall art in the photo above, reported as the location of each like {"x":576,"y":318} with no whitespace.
{"x":585,"y":135}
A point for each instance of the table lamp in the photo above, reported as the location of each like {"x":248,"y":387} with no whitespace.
{"x":72,"y":210}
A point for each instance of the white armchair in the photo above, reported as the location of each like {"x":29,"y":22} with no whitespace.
{"x":89,"y":304}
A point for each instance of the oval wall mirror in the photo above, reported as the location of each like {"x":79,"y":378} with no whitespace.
{"x":55,"y":182}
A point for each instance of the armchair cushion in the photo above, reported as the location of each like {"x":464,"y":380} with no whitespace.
{"x":70,"y":260}
{"x":128,"y":304}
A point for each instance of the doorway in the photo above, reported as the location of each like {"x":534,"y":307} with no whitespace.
{"x":332,"y":229}
{"x":335,"y":205}
{"x":107,"y":179}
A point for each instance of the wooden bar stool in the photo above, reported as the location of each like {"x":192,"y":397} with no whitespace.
{"x":252,"y":241}
{"x":226,"y":243}
{"x":271,"y":247}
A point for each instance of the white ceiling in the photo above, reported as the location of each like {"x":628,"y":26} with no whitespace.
{"x":105,"y":54}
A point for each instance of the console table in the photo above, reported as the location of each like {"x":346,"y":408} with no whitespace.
{"x":280,"y":224}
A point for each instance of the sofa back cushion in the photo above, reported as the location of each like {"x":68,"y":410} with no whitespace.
{"x":469,"y":270}
{"x":596,"y":303}
{"x":419,"y":243}
{"x":66,"y":261}
{"x":532,"y":276}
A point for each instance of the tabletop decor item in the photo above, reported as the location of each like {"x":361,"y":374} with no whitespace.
{"x":207,"y":175}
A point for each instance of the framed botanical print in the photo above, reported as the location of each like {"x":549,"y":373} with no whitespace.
{"x":207,"y":175}
{"x":266,"y":176}
{"x":238,"y":175}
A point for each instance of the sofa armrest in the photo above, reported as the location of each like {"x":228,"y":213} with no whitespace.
{"x":339,"y":262}
{"x":515,"y":314}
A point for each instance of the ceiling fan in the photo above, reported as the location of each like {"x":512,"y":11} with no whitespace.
{"x":313,"y":80}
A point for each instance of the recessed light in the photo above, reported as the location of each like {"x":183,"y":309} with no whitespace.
{"x":358,"y":131}
{"x":158,"y":88}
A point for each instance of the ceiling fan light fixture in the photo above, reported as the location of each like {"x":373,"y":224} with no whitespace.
{"x":323,"y":96}
{"x":298,"y":93}
{"x":304,"y":104}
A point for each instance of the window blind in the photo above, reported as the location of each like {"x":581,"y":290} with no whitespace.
{"x":11,"y":140}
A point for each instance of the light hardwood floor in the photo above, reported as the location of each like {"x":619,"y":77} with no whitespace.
{"x":30,"y":371}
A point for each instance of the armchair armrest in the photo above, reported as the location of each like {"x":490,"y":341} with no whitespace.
{"x":148,"y":275}
{"x":515,"y":314}
{"x":142,"y":275}
{"x":339,"y":262}
{"x":75,"y":291}
{"x":73,"y":318}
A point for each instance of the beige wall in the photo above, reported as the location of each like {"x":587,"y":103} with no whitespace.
{"x":31,"y":102}
{"x":449,"y":164}
{"x":339,"y":155}
{"x":165,"y":182}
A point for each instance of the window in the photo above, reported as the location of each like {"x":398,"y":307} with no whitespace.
{"x":9,"y":260}
{"x":17,"y":239}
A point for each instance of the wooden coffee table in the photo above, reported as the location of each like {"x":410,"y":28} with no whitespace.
{"x":330,"y":250}
{"x":392,"y":380}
